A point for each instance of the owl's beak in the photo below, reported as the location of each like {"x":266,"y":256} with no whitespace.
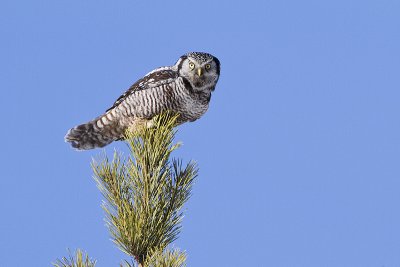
{"x":199,"y":71}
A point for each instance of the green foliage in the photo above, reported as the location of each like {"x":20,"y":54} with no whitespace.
{"x":80,"y":260}
{"x":160,"y":258}
{"x":168,"y":258}
{"x":145,"y":193}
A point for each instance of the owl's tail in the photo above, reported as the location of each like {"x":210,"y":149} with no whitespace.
{"x":96,"y":133}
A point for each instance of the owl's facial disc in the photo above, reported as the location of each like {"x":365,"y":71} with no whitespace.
{"x":201,"y":74}
{"x":200,"y":69}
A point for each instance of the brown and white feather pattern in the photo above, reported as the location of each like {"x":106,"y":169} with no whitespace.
{"x":166,"y":88}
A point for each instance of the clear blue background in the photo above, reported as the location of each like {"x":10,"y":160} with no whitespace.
{"x":298,"y":153}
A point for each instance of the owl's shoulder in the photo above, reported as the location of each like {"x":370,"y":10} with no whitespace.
{"x":153,"y":79}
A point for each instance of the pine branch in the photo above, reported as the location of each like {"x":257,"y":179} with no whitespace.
{"x":168,"y":258}
{"x":80,"y":260}
{"x":145,"y":193}
{"x":159,"y":258}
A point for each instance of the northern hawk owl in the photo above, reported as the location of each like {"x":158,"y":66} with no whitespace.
{"x":184,"y":88}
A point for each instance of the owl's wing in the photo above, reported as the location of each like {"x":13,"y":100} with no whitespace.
{"x":111,"y":126}
{"x":157,"y":77}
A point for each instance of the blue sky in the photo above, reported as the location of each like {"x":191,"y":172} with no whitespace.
{"x":298,"y":153}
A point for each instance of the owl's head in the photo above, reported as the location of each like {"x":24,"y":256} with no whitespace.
{"x":201,"y":70}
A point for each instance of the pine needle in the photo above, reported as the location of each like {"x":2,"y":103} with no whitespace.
{"x":80,"y":260}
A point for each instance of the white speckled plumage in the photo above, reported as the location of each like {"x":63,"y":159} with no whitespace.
{"x":183,"y":88}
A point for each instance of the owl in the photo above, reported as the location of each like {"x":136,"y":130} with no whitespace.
{"x":184,"y":88}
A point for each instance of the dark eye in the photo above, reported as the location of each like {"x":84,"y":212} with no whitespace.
{"x":208,"y":66}
{"x":191,"y":65}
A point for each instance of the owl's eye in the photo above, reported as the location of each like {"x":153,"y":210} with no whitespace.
{"x":208,"y":66}
{"x":191,"y":65}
